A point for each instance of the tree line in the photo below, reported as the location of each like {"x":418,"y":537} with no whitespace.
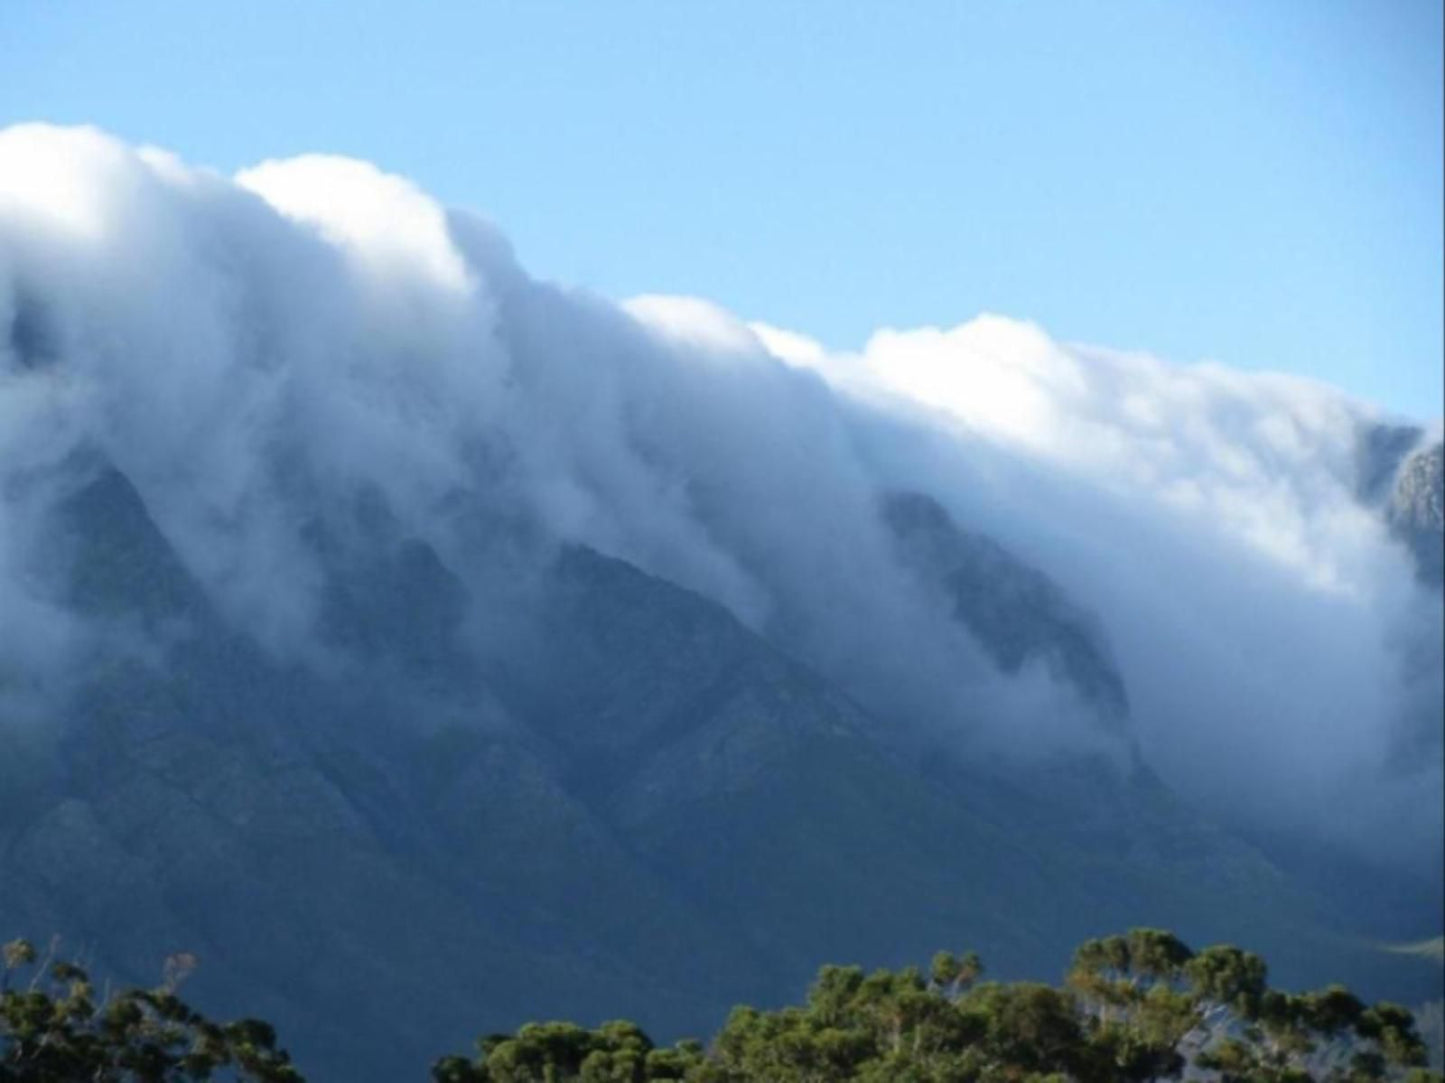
{"x":1142,"y":1006}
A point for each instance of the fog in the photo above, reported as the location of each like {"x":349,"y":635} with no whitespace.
{"x":252,"y":351}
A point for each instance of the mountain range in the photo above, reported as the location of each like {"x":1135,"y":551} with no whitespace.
{"x":545,"y":745}
{"x":643,"y":809}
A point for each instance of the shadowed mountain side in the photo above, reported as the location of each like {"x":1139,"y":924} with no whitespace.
{"x":1017,"y":613}
{"x":1380,"y":448}
{"x":770,"y":798}
{"x":315,"y":845}
{"x":656,"y":814}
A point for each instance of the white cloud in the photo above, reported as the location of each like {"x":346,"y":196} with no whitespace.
{"x":384,"y":222}
{"x":790,"y":346}
{"x":255,"y":352}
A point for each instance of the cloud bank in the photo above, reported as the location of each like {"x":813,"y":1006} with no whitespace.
{"x":253,"y":351}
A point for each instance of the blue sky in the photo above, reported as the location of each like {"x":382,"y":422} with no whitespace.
{"x":1255,"y":183}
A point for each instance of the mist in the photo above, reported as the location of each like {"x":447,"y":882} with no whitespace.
{"x":256,"y":351}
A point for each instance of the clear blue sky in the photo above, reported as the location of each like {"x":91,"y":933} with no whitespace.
{"x":1254,"y":182}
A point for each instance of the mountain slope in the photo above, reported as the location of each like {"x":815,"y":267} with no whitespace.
{"x":1017,"y":613}
{"x":1416,"y":512}
{"x":658,"y":814}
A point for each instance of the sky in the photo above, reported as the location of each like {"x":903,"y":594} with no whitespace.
{"x":1257,"y":184}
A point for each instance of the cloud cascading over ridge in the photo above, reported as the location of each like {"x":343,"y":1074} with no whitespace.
{"x":244,"y":349}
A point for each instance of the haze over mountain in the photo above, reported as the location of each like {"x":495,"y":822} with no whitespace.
{"x":367,"y":605}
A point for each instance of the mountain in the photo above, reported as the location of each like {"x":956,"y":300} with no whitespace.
{"x":638,"y":807}
{"x":1400,"y":472}
{"x":375,"y":617}
{"x":1402,"y":479}
{"x":1015,"y":612}
{"x":1381,"y":447}
{"x":1416,"y":512}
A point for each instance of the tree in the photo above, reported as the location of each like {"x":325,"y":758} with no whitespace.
{"x":55,"y":1030}
{"x":1141,"y":1006}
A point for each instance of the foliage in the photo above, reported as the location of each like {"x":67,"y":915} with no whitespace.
{"x":1138,"y":1007}
{"x":53,"y":1029}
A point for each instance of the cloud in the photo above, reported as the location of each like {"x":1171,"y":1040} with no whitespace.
{"x":790,"y":346}
{"x":385,"y":224}
{"x":259,"y":352}
{"x":1258,"y":609}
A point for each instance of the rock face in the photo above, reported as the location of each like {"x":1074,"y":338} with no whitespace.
{"x":1416,"y":512}
{"x":1405,"y":479}
{"x":1379,"y":451}
{"x":637,"y":807}
{"x":1016,"y":613}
